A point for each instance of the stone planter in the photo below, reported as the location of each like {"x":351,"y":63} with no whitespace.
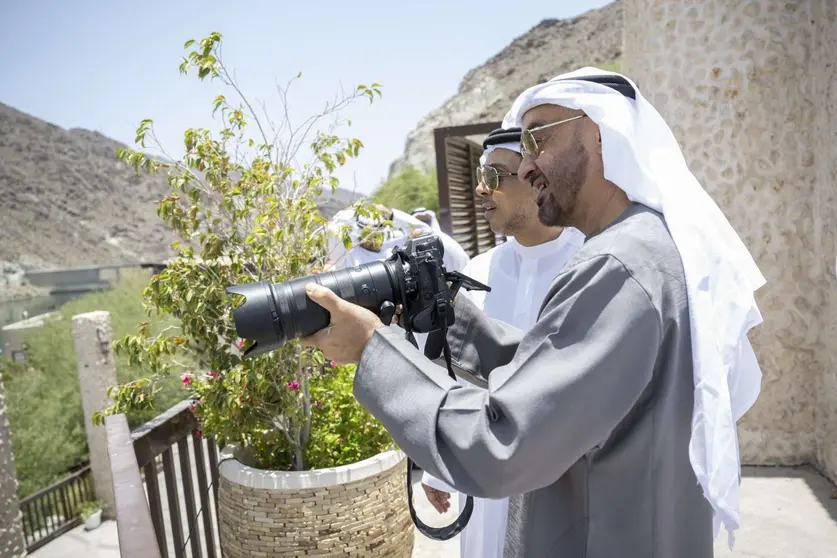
{"x":352,"y":510}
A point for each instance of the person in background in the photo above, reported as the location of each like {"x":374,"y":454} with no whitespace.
{"x":519,"y":273}
{"x":370,"y":239}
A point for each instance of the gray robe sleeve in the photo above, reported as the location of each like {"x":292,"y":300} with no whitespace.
{"x":568,"y":384}
{"x":478,"y":344}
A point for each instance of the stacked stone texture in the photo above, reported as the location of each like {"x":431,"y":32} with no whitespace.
{"x":748,"y":89}
{"x":11,"y":526}
{"x":364,"y":518}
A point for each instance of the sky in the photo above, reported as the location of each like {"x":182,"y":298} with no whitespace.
{"x":106,"y":65}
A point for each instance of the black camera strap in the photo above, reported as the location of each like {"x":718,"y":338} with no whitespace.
{"x":448,"y":531}
{"x":435,"y":339}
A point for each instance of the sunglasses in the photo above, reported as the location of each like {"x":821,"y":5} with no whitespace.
{"x":490,"y":176}
{"x":528,"y":143}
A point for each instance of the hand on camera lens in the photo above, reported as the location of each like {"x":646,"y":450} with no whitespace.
{"x":350,"y":329}
{"x":438,"y":499}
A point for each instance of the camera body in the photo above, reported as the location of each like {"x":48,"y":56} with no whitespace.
{"x":414,"y":277}
{"x":428,"y":304}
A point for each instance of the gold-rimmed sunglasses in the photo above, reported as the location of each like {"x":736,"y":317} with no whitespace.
{"x":488,"y":175}
{"x":528,"y":143}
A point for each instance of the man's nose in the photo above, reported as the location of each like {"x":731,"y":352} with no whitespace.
{"x":482,"y":190}
{"x":526,"y":169}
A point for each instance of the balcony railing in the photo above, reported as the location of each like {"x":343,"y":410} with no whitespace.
{"x":54,"y":510}
{"x":167,"y":453}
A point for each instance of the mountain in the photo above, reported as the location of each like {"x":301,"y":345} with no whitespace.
{"x":67,"y":200}
{"x":550,"y":48}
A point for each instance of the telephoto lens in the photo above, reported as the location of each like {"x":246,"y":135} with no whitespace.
{"x":274,"y":313}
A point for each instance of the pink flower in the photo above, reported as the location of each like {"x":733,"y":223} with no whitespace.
{"x":293,"y":385}
{"x":332,"y":364}
{"x":194,"y":405}
{"x":240,"y":344}
{"x":186,"y":380}
{"x":213,"y":374}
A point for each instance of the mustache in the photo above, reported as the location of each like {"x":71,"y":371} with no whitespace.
{"x":536,"y":177}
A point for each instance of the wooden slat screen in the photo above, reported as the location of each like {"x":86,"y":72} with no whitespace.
{"x":460,"y":208}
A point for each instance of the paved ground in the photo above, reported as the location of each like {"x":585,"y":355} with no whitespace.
{"x":785,"y":513}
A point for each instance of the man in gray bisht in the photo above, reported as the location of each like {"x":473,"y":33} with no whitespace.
{"x":611,"y":423}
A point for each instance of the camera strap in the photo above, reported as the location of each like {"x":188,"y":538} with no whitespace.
{"x":448,"y":531}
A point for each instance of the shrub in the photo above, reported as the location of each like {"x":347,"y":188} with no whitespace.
{"x":43,"y":397}
{"x":246,"y":212}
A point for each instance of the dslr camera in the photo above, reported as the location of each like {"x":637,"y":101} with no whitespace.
{"x":414,"y":277}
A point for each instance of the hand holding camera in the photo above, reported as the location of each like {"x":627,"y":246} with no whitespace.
{"x":349,"y":331}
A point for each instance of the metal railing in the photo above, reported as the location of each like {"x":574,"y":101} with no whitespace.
{"x":54,"y":510}
{"x":189,"y":463}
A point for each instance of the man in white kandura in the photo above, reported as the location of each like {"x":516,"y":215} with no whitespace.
{"x":519,"y":273}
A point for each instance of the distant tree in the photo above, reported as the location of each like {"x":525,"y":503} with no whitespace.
{"x":614,"y":65}
{"x":409,"y":189}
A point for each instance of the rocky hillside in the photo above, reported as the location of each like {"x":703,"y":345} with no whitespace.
{"x":67,"y":201}
{"x":486,"y":92}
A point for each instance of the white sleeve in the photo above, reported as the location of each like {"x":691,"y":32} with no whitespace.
{"x":407,"y":223}
{"x":433,"y":482}
{"x":455,"y":256}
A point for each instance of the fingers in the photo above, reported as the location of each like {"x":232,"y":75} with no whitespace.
{"x":397,"y":316}
{"x":323,"y":296}
{"x":438,"y":499}
{"x":442,"y":504}
{"x":315,"y":339}
{"x":310,"y":341}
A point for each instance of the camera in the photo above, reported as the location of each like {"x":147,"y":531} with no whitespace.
{"x":414,"y":277}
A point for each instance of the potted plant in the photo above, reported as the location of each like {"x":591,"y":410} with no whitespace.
{"x":91,"y":514}
{"x":304,"y":466}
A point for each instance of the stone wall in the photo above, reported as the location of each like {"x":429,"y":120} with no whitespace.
{"x":366,"y":517}
{"x":11,"y":523}
{"x":746,"y":87}
{"x":823,"y":77}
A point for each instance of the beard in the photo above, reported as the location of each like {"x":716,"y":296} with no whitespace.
{"x":516,"y":223}
{"x":564,"y":175}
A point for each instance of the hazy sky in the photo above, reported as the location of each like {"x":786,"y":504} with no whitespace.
{"x":106,"y":65}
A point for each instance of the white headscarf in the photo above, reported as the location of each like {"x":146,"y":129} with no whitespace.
{"x":642,"y":157}
{"x":511,"y":146}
